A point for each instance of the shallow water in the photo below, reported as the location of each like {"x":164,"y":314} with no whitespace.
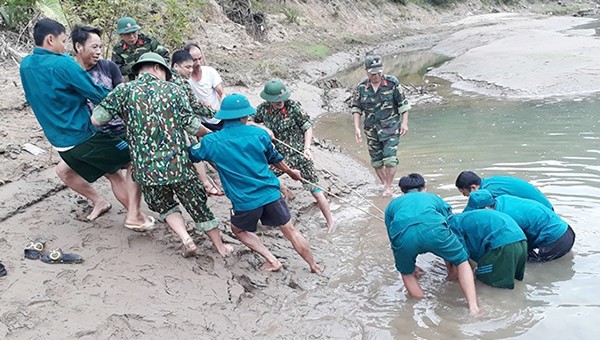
{"x":554,"y":145}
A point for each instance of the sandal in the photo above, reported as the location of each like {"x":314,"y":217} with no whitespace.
{"x":212,"y":190}
{"x":2,"y":270}
{"x":148,"y":225}
{"x":57,"y":256}
{"x":33,"y":250}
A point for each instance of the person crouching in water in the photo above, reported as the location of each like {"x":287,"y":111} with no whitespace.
{"x":158,"y":114}
{"x":417,"y":223}
{"x":287,"y":121}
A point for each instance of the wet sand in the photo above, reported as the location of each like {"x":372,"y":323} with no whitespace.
{"x":138,"y":286}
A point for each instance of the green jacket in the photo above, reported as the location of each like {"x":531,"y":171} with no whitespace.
{"x":125,"y":56}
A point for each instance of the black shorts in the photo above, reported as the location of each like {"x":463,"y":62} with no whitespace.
{"x":101,"y":154}
{"x":555,"y":250}
{"x":273,"y":214}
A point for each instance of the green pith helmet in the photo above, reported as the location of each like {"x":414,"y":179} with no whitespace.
{"x":275,"y":91}
{"x":151,"y":58}
{"x":127,"y":25}
{"x":235,"y":106}
{"x":374,"y":63}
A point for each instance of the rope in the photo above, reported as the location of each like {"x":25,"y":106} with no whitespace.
{"x":343,"y":200}
{"x":331,"y":174}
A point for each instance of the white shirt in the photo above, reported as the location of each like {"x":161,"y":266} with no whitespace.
{"x":204,"y":89}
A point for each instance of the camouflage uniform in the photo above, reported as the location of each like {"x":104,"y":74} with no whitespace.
{"x":197,"y":107}
{"x":156,"y":136}
{"x":125,"y":56}
{"x":383,"y":115}
{"x":289,"y":125}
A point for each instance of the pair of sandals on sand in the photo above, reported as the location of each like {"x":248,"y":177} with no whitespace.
{"x":36,"y":250}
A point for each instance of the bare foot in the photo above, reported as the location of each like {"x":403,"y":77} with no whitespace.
{"x":226,"y":250}
{"x":189,"y":248}
{"x":475,"y":311}
{"x":330,"y":227}
{"x":270,"y":267}
{"x":99,"y":209}
{"x":316,"y":269}
{"x":418,"y":272}
{"x":387,"y":192}
{"x":288,"y":194}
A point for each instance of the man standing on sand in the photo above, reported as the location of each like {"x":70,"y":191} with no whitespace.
{"x":57,"y":89}
{"x":206,"y":84}
{"x":242,"y":154}
{"x":132,"y":45}
{"x":158,"y":114}
{"x":87,"y":46}
{"x":385,"y":108}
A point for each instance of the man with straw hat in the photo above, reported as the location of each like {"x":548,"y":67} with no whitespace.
{"x":158,"y":114}
{"x":292,"y":129}
{"x":380,"y":100}
{"x":242,"y":154}
{"x":132,"y":45}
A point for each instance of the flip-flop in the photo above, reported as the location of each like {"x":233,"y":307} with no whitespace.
{"x":2,"y":270}
{"x":57,"y":256}
{"x":212,"y":190}
{"x":149,"y":224}
{"x":33,"y":250}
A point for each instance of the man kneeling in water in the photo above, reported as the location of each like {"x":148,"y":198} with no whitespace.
{"x":417,"y":223}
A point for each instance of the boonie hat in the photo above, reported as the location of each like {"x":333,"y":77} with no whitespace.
{"x":153,"y":58}
{"x":127,"y":25}
{"x":480,"y":199}
{"x":235,"y":106}
{"x":374,"y":64}
{"x":275,"y":91}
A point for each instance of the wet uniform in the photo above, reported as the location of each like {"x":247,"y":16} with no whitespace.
{"x":158,"y":114}
{"x":495,"y":242}
{"x":383,"y":111}
{"x":289,"y":125}
{"x":506,"y":185}
{"x":125,"y":56}
{"x":416,"y":224}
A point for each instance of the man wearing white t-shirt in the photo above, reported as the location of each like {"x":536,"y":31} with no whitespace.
{"x":206,"y":84}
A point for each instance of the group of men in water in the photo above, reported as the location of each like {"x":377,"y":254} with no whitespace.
{"x":507,"y":222}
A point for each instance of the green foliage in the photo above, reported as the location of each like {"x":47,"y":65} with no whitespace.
{"x":170,"y":21}
{"x":401,"y":2}
{"x":441,"y":3}
{"x":16,"y":13}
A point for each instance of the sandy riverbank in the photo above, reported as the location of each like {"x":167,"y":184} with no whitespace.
{"x":137,"y":286}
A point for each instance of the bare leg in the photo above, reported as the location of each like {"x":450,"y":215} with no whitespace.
{"x":119,"y":188}
{"x":300,"y":245}
{"x":467,"y":284}
{"x":215,"y":237}
{"x":82,"y":187}
{"x":287,"y":193}
{"x":177,"y":224}
{"x":390,"y":172}
{"x":324,"y":207}
{"x":253,"y":242}
{"x":134,"y":195}
{"x":412,"y":285}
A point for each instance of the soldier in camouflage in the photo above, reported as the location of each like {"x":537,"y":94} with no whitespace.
{"x":385,"y":108}
{"x":158,"y":115}
{"x":182,"y":65}
{"x":132,"y":45}
{"x":287,"y":121}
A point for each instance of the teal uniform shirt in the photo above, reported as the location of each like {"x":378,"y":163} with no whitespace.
{"x":416,"y":224}
{"x":242,"y":154}
{"x":57,"y":89}
{"x":482,"y":231}
{"x":506,"y":185}
{"x":541,"y":225}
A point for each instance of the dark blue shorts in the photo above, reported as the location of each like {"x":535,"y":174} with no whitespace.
{"x":273,"y":214}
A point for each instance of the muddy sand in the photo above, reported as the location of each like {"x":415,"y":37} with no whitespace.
{"x":138,"y":286}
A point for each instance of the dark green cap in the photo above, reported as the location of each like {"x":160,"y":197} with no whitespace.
{"x":275,"y":91}
{"x":127,"y":25}
{"x":374,"y":64}
{"x":151,"y":58}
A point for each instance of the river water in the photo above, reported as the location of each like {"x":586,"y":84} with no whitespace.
{"x":554,"y":144}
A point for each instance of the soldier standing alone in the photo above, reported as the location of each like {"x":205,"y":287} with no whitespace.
{"x":385,"y":108}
